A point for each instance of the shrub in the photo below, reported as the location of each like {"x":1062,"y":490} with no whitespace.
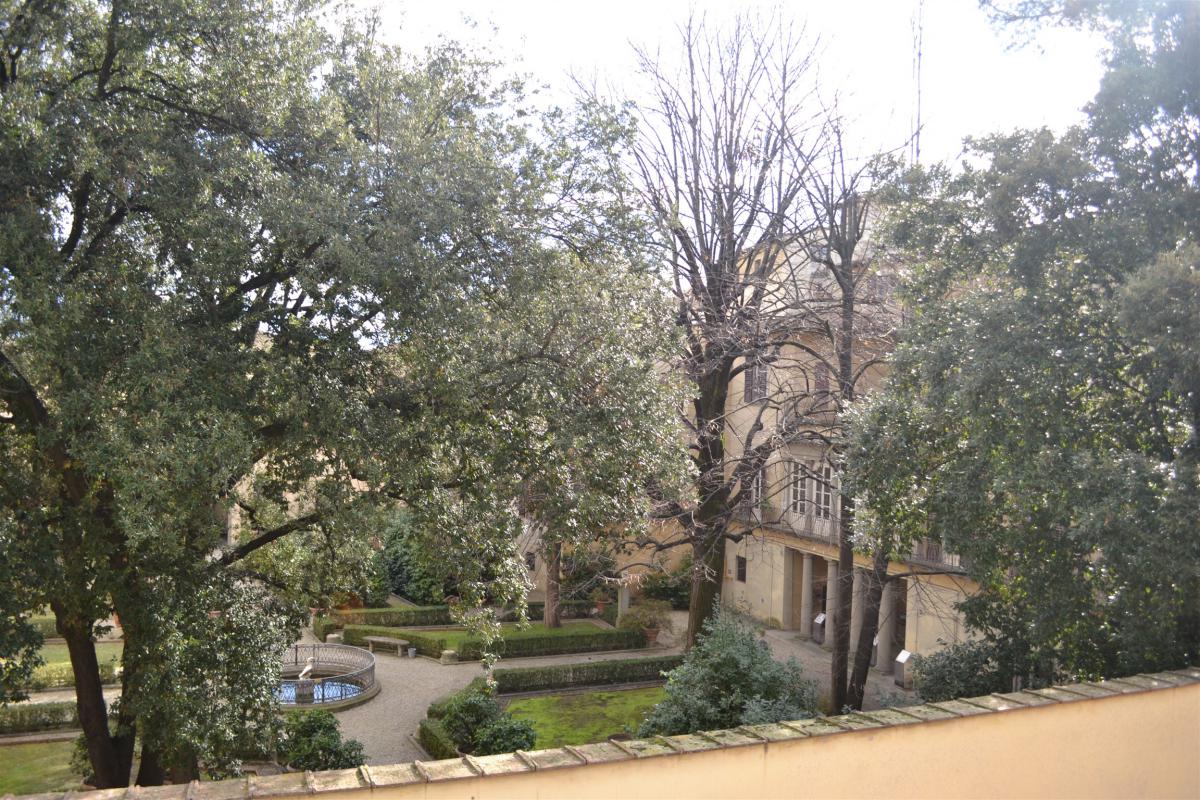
{"x":437,"y":709}
{"x":965,"y":669}
{"x":467,"y":713}
{"x":29,"y":717}
{"x":728,"y":679}
{"x":654,"y":614}
{"x":675,"y":586}
{"x":504,"y":735}
{"x":312,"y":740}
{"x":433,"y":737}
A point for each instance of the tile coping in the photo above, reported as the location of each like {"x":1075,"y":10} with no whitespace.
{"x":370,"y":778}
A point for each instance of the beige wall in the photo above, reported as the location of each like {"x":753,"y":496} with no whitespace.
{"x":1141,"y":745}
{"x":1136,"y":737}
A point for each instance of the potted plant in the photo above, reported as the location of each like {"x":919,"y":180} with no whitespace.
{"x":601,"y":598}
{"x":648,"y":616}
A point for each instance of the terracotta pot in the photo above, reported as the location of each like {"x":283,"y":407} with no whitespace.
{"x":651,"y":635}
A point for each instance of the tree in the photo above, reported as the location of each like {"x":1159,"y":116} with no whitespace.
{"x":1043,"y":401}
{"x":762,"y":219}
{"x":254,"y":269}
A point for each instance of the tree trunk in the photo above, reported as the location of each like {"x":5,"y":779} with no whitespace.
{"x":708,"y":558}
{"x":845,"y":357}
{"x":841,"y":628}
{"x":150,"y":770}
{"x":876,"y":578}
{"x":552,"y":612}
{"x":89,"y":701}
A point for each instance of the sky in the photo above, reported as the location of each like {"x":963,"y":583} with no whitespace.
{"x":973,"y":80}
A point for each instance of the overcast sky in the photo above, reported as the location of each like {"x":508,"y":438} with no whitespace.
{"x":973,"y":82}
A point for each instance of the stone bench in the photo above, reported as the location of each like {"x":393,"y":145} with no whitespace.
{"x":386,"y":641}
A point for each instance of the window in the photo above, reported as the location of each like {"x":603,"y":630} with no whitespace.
{"x":796,"y":487}
{"x":823,"y":492}
{"x":741,"y":569}
{"x":756,"y":488}
{"x":821,"y":379}
{"x":530,"y":560}
{"x":755,"y":378}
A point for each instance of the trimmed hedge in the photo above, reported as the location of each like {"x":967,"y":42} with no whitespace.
{"x":422,"y":616}
{"x":437,"y":742}
{"x":590,"y":673}
{"x":517,"y":644}
{"x":62,"y":676}
{"x":31,"y":717}
{"x":427,"y":643}
{"x":45,"y":625}
{"x":567,"y":609}
{"x":531,"y":643}
{"x":323,"y":626}
{"x":401,"y":617}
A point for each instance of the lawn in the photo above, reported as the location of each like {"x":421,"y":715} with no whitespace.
{"x":454,"y":636}
{"x":583,"y":717}
{"x":105,"y":651}
{"x":41,"y":767}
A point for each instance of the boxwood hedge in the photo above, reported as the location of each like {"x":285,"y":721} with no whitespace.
{"x":437,"y":742}
{"x":516,"y":644}
{"x":30,"y":717}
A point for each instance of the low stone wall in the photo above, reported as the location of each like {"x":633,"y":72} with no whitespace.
{"x":1133,"y":737}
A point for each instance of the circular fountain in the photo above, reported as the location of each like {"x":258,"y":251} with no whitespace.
{"x":329,"y":676}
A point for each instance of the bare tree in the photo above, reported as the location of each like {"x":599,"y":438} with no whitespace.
{"x":722,"y":162}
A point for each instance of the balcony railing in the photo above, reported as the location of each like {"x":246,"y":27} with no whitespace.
{"x":927,"y":553}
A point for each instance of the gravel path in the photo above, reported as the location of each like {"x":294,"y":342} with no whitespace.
{"x":386,"y":723}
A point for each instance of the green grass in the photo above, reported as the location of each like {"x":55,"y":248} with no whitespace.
{"x":581,"y":718}
{"x":41,"y":767}
{"x":455,"y":636}
{"x":57,"y":653}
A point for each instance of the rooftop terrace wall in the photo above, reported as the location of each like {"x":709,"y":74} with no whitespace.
{"x":1133,"y":737}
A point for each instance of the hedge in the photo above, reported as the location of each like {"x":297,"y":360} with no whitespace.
{"x":45,"y":626}
{"x":518,"y":644}
{"x":322,"y":626}
{"x":400,"y":617}
{"x":567,"y":609}
{"x":30,"y":717}
{"x":436,"y":741}
{"x":422,"y":616}
{"x":589,"y":673}
{"x":62,"y":676}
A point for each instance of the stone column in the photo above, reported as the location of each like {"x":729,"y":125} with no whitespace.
{"x":622,"y":599}
{"x":857,"y":601}
{"x":831,"y":600}
{"x":887,"y":628}
{"x":806,"y":596}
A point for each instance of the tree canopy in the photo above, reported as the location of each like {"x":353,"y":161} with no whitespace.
{"x":1041,"y":415}
{"x":257,"y":266}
